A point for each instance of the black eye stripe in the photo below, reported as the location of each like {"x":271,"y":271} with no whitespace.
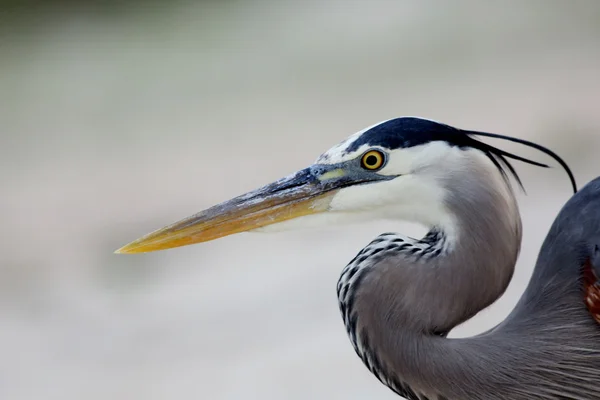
{"x":406,"y":132}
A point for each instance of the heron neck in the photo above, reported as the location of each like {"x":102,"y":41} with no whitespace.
{"x":401,"y":305}
{"x":473,"y":260}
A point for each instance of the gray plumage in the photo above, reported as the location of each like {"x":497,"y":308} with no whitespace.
{"x":398,"y":304}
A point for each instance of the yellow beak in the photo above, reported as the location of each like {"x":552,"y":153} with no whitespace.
{"x":295,"y":196}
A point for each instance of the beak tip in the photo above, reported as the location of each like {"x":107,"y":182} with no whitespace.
{"x":127,"y":249}
{"x":122,"y":250}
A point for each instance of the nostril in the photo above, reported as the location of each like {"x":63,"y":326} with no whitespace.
{"x":317,"y":169}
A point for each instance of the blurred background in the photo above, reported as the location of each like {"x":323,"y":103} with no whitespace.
{"x":119,"y":117}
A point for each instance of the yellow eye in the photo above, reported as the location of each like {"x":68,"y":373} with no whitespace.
{"x":372,"y":160}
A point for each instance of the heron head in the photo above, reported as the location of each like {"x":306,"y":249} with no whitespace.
{"x":395,"y":169}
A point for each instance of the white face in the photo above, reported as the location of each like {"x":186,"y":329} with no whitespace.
{"x":414,"y":195}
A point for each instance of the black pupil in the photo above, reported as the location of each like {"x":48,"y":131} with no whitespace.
{"x":371,"y":160}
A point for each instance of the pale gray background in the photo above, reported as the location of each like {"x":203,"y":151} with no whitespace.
{"x":117,"y":120}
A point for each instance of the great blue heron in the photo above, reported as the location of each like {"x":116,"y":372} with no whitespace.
{"x":399,"y":297}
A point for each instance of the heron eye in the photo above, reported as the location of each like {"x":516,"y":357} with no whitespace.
{"x":372,"y":160}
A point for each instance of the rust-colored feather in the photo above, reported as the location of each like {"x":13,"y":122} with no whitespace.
{"x":591,"y":286}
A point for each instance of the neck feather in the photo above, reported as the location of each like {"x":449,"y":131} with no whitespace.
{"x":395,"y":300}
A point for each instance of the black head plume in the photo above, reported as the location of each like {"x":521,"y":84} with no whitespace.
{"x":499,"y":156}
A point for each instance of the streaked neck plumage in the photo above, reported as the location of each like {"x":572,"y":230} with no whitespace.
{"x":399,"y":292}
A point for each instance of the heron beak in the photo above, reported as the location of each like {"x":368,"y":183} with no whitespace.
{"x":297,"y":195}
